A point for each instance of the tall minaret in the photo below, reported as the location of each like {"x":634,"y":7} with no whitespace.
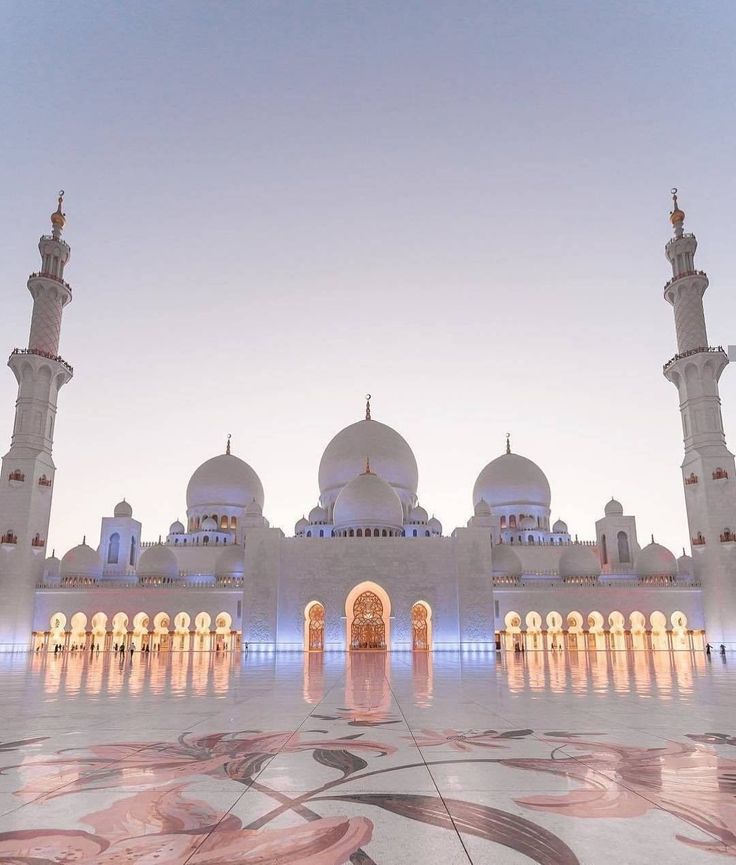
{"x":27,"y":474}
{"x":708,"y":470}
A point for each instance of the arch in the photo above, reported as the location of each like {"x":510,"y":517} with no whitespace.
{"x":680,"y":636}
{"x":421,"y":626}
{"x":660,"y":640}
{"x":314,"y":627}
{"x":78,"y":629}
{"x":624,"y":551}
{"x":368,"y":622}
{"x":224,"y":522}
{"x":574,"y":623}
{"x":533,"y":621}
{"x":99,"y":624}
{"x":119,"y":627}
{"x":617,"y":634}
{"x":638,"y":627}
{"x":182,"y":621}
{"x":113,"y":549}
{"x":512,"y":628}
{"x":223,"y":631}
{"x":161,"y":625}
{"x":596,"y":635}
{"x":554,"y":621}
{"x":604,"y":550}
{"x":202,"y":631}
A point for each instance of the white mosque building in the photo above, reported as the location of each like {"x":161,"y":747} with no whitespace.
{"x":368,"y":568}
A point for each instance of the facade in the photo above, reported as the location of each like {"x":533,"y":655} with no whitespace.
{"x":367,"y":568}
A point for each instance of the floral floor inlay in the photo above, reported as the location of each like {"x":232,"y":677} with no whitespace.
{"x":371,"y":759}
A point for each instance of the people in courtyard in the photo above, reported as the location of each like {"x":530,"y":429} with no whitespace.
{"x":723,"y":650}
{"x":708,"y":647}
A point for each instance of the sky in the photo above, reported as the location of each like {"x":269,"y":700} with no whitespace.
{"x":276,"y":207}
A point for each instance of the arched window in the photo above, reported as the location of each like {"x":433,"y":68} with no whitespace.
{"x":384,"y":533}
{"x":113,"y":549}
{"x":512,"y":522}
{"x":426,"y":534}
{"x":233,"y":522}
{"x":604,"y":550}
{"x":503,"y":522}
{"x":531,"y":539}
{"x":359,"y":533}
{"x":309,"y":534}
{"x":624,"y":555}
{"x":131,"y":559}
{"x":351,"y":533}
{"x":321,"y":533}
{"x":415,"y":532}
{"x":223,"y":522}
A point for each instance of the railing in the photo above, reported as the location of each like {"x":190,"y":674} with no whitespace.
{"x":54,"y":277}
{"x":37,"y":351}
{"x":196,"y":542}
{"x":16,"y":476}
{"x":683,"y":274}
{"x":9,"y":539}
{"x":87,"y":584}
{"x":542,"y":543}
{"x":595,"y":584}
{"x":43,"y":481}
{"x":38,"y":542}
{"x":700,"y":350}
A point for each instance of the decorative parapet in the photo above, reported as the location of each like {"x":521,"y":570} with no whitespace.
{"x":37,"y":351}
{"x":682,"y":275}
{"x":54,"y":277}
{"x":700,"y":350}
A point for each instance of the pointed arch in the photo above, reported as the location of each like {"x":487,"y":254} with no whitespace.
{"x":382,"y":609}
{"x":314,"y":627}
{"x":421,"y":626}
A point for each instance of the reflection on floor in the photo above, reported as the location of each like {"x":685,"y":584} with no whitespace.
{"x":368,"y":758}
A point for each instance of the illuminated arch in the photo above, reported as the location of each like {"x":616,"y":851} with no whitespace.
{"x":421,"y":626}
{"x":314,"y":627}
{"x":385,"y":602}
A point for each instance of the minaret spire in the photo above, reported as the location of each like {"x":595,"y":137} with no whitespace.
{"x":508,"y":443}
{"x":367,"y":406}
{"x":227,"y":446}
{"x":708,"y":469}
{"x":25,"y":508}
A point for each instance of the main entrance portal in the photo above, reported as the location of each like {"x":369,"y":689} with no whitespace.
{"x":368,"y":629}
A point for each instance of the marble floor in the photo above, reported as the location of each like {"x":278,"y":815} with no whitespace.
{"x":367,"y":758}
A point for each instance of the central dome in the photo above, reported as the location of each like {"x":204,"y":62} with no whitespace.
{"x":224,"y":480}
{"x":389,"y":454}
{"x":512,"y":479}
{"x":368,"y":501}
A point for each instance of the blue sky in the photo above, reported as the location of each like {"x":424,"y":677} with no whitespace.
{"x":276,"y":207}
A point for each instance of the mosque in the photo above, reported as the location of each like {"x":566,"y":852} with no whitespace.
{"x":368,"y":568}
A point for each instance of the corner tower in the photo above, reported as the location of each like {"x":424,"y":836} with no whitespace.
{"x":27,"y":479}
{"x":708,"y":470}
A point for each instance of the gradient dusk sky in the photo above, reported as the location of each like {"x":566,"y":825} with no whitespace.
{"x":274,"y":208}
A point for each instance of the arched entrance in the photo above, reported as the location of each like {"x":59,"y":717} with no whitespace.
{"x":367,"y":615}
{"x":314,"y":627}
{"x":421,"y":625}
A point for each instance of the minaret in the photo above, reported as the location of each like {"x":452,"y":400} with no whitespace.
{"x":708,"y":470}
{"x":27,"y":474}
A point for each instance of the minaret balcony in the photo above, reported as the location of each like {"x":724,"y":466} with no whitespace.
{"x":728,"y":537}
{"x":700,"y":350}
{"x":38,"y":353}
{"x":9,"y":540}
{"x":699,"y":541}
{"x":16,"y":478}
{"x":54,"y":277}
{"x":43,"y":481}
{"x":682,"y":275}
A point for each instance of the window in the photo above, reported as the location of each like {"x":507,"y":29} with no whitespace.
{"x":604,"y":550}
{"x":132,"y":551}
{"x":359,"y":533}
{"x":503,"y":522}
{"x":624,"y":555}
{"x":512,"y":522}
{"x":415,"y":532}
{"x":321,"y":533}
{"x":113,"y":549}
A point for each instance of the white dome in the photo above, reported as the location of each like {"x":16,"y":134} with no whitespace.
{"x":505,"y":562}
{"x":52,"y":568}
{"x":122,"y":509}
{"x":655,"y":561}
{"x":389,"y":454}
{"x":684,"y":565}
{"x":579,"y":561}
{"x":158,"y":561}
{"x":176,"y":528}
{"x":368,"y":500}
{"x":435,"y":526}
{"x":81,"y":561}
{"x":231,"y":562}
{"x":224,"y":480}
{"x":318,"y":515}
{"x":253,"y":509}
{"x":208,"y":525}
{"x":482,"y":509}
{"x":528,"y":523}
{"x":301,"y":524}
{"x":613,"y":509}
{"x":512,"y":479}
{"x":560,"y":527}
{"x":418,"y":515}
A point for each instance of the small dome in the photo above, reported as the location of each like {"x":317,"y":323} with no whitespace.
{"x":390,"y":455}
{"x":123,"y":509}
{"x":655,"y":561}
{"x":368,"y":501}
{"x":231,"y":562}
{"x":81,"y":561}
{"x":505,"y":562}
{"x":435,"y":526}
{"x":158,"y":561}
{"x":613,"y":509}
{"x":418,"y":515}
{"x":684,"y":565}
{"x":560,"y":527}
{"x":253,"y":509}
{"x":482,"y":509}
{"x":224,"y":480}
{"x":318,"y":515}
{"x":579,"y":561}
{"x":527,"y":523}
{"x":208,"y":525}
{"x":301,"y":525}
{"x":512,"y":479}
{"x":52,"y":568}
{"x":176,"y":528}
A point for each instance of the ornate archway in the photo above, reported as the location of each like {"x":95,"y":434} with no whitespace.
{"x":314,"y":627}
{"x":368,"y":628}
{"x":420,"y":625}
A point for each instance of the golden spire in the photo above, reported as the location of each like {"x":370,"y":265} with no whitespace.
{"x":368,"y":465}
{"x":677,"y":216}
{"x":367,"y":406}
{"x":508,"y":443}
{"x":227,"y":446}
{"x":57,"y":217}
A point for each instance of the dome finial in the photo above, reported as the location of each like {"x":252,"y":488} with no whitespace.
{"x":57,"y":217}
{"x":677,"y":216}
{"x":368,"y":464}
{"x":508,"y":443}
{"x":84,"y":539}
{"x":367,"y":406}
{"x":652,"y":538}
{"x":227,"y":446}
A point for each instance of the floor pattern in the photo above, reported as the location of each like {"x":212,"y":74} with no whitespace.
{"x":372,"y":759}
